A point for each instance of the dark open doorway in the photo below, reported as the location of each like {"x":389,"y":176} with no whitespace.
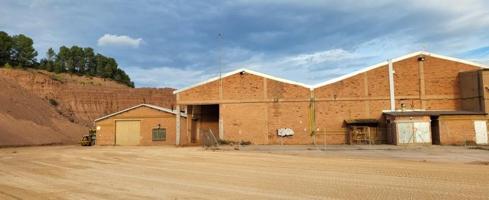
{"x":205,"y":120}
{"x":435,"y":130}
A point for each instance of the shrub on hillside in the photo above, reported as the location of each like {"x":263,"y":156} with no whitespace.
{"x":53,"y":102}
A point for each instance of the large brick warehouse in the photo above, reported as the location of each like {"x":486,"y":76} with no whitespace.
{"x":417,"y":98}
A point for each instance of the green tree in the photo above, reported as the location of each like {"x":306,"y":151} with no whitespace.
{"x":23,"y":53}
{"x":100,"y":61}
{"x":5,"y":48}
{"x":84,"y":61}
{"x":48,"y":62}
{"x":110,"y":68}
{"x":51,"y":55}
{"x":121,"y":77}
{"x":18,"y":50}
{"x":78,"y":59}
{"x":63,"y":61}
{"x":89,"y":62}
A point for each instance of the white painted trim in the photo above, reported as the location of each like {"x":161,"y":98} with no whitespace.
{"x":177,"y":127}
{"x":391,"y":85}
{"x":408,"y":110}
{"x":140,"y":105}
{"x":246,"y":71}
{"x":340,"y":78}
{"x":366,"y":69}
{"x":396,"y":60}
{"x":456,"y":60}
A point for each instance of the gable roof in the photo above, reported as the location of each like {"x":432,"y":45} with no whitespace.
{"x":337,"y":79}
{"x":340,"y":78}
{"x":246,"y":71}
{"x":141,"y":105}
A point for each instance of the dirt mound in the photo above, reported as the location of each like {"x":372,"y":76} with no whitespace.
{"x":82,"y":99}
{"x":26,"y":119}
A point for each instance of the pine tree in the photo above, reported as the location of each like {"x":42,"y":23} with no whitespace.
{"x":89,"y":62}
{"x":84,"y":61}
{"x":23,"y":53}
{"x":5,"y":48}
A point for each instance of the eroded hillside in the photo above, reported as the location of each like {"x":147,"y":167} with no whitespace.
{"x":82,"y":99}
{"x":26,"y":119}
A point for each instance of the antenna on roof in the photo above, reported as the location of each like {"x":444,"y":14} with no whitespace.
{"x":220,"y":38}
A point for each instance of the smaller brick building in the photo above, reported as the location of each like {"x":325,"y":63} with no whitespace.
{"x":436,"y":127}
{"x":143,"y":124}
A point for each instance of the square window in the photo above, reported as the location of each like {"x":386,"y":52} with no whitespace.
{"x":159,"y":134}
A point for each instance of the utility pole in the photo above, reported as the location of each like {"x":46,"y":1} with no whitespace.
{"x":221,"y":124}
{"x":219,"y":40}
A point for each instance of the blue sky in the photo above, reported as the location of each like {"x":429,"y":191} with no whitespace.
{"x":176,"y":43}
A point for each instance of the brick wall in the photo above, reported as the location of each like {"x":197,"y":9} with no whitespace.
{"x":254,"y":107}
{"x":458,"y":129}
{"x":366,"y":95}
{"x":149,"y":118}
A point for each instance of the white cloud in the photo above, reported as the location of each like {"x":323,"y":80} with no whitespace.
{"x":317,"y":57}
{"x":119,"y":40}
{"x":304,"y":68}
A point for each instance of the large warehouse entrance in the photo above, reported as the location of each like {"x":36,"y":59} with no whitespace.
{"x":205,"y":122}
{"x":127,"y":132}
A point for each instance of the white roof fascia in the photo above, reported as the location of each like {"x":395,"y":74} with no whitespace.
{"x":334,"y":80}
{"x":456,"y":60}
{"x":243,"y":70}
{"x":396,"y":60}
{"x":140,"y":105}
{"x":276,"y":78}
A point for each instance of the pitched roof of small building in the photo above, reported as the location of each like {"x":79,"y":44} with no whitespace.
{"x":158,"y":108}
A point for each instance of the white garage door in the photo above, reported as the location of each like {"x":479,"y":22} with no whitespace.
{"x":127,"y":132}
{"x":480,"y":132}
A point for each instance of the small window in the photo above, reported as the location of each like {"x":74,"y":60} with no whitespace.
{"x":159,"y":134}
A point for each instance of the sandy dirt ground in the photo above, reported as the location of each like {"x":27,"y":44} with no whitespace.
{"x":72,"y":172}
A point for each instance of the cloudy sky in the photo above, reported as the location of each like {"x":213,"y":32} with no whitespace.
{"x":177,"y":43}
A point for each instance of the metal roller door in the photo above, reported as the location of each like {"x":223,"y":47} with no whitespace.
{"x":127,"y":132}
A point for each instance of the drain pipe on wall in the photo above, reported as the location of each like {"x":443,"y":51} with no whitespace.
{"x":391,"y":86}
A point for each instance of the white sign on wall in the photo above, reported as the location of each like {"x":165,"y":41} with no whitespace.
{"x":284,"y":132}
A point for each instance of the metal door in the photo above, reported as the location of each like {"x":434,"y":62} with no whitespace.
{"x":422,"y":132}
{"x":406,"y":133}
{"x":480,"y":132}
{"x":127,"y":132}
{"x":414,"y":132}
